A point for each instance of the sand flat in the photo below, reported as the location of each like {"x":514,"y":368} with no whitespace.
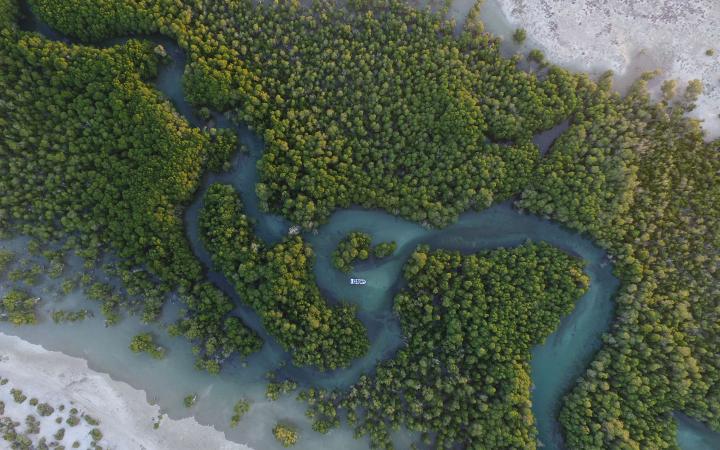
{"x":627,"y":37}
{"x":126,"y":418}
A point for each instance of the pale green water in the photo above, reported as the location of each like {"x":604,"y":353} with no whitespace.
{"x":555,"y":364}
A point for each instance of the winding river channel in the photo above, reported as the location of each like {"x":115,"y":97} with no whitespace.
{"x":556,"y":364}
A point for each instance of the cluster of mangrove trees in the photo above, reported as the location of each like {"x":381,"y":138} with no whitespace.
{"x":378,"y":104}
{"x":278,"y":282}
{"x":469,"y":322}
{"x":356,"y":246}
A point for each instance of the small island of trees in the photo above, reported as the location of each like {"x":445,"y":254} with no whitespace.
{"x":356,"y":246}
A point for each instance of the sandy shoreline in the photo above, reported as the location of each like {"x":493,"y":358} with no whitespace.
{"x":125,"y":416}
{"x":627,"y":37}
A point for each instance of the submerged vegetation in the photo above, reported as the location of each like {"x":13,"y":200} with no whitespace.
{"x":379,"y":104}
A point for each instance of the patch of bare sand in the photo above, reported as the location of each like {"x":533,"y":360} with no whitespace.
{"x":126,"y":419}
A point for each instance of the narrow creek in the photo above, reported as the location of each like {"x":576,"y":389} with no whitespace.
{"x":556,"y":364}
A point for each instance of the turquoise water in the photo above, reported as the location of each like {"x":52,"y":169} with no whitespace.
{"x":555,"y":364}
{"x":693,"y":435}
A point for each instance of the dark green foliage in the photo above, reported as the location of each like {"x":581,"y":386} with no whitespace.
{"x":190,"y":400}
{"x":384,"y":249}
{"x":145,"y":342}
{"x":693,"y":90}
{"x":208,"y":321}
{"x":9,"y":13}
{"x":275,"y":389}
{"x":239,"y":410}
{"x":279,"y":284}
{"x":26,"y":272}
{"x":96,"y":434}
{"x":61,"y":315}
{"x":72,"y":420}
{"x":90,"y":150}
{"x":110,"y":300}
{"x":32,"y":425}
{"x":640,"y":180}
{"x":354,"y":246}
{"x":520,"y":35}
{"x":375,"y":103}
{"x":18,"y":308}
{"x":537,"y":56}
{"x":67,"y":286}
{"x":90,"y":183}
{"x":669,"y":89}
{"x":379,"y":105}
{"x":91,"y":420}
{"x":323,"y":409}
{"x":18,"y":395}
{"x":469,"y":323}
{"x":454,"y":103}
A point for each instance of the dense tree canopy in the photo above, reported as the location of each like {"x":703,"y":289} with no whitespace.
{"x":378,"y":104}
{"x":8,"y":13}
{"x":375,"y":103}
{"x":469,"y":323}
{"x":94,"y":158}
{"x":278,"y":282}
{"x":355,"y":246}
{"x":638,"y":177}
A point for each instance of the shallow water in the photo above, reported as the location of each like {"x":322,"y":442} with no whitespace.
{"x":693,"y":435}
{"x":555,"y":364}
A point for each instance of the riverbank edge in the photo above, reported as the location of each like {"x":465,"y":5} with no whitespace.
{"x":125,"y":415}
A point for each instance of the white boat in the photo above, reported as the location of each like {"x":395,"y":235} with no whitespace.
{"x":358,"y":281}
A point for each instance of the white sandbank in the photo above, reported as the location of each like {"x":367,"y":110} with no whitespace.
{"x":627,"y":37}
{"x":126,"y":418}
